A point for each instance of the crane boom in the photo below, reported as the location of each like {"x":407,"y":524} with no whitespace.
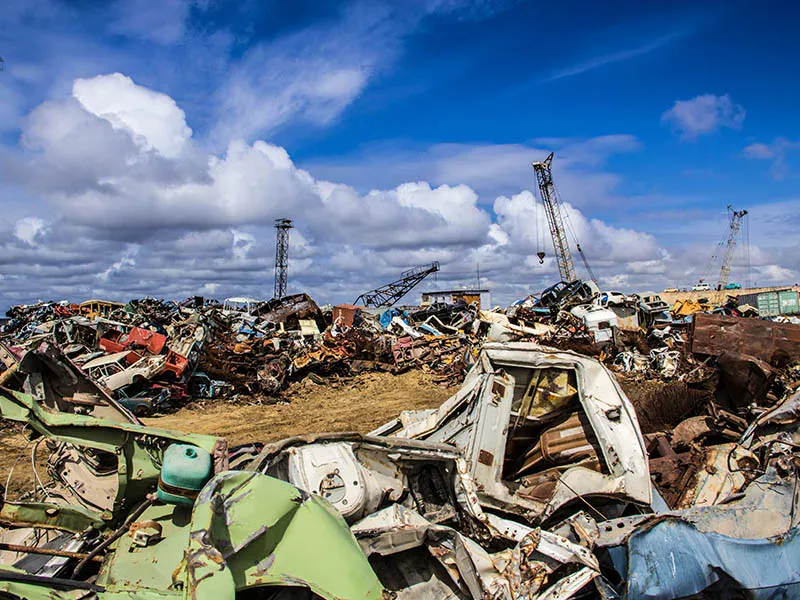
{"x":388,"y":294}
{"x":552,"y":208}
{"x":735,"y":223}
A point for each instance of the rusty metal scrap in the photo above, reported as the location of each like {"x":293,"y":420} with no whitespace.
{"x":530,"y":482}
{"x":765,"y":340}
{"x":243,"y":347}
{"x":260,"y":349}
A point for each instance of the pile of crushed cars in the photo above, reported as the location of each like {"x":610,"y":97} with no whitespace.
{"x":638,"y":335}
{"x":153,"y":355}
{"x":144,"y":353}
{"x":535,"y":480}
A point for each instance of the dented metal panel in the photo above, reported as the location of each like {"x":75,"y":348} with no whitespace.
{"x":249,"y":530}
{"x":672,"y":559}
{"x":479,"y":417}
{"x":246,"y":529}
{"x":764,"y":340}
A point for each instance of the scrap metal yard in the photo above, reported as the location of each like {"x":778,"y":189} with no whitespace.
{"x":399,"y":300}
{"x":580,"y":442}
{"x":572,"y":444}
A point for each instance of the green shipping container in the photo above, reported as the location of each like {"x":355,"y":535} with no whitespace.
{"x":769,"y":304}
{"x":789,"y":304}
{"x":772,"y":304}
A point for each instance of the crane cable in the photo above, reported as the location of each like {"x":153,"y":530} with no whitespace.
{"x":746,"y":249}
{"x":536,"y":219}
{"x":565,"y":216}
{"x":571,"y":230}
{"x":715,"y":255}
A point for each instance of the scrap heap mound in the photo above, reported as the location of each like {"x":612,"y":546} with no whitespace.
{"x":539,"y":478}
{"x":155,"y":355}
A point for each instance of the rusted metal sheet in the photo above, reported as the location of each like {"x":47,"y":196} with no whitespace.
{"x":431,"y":350}
{"x":344,"y":314}
{"x":764,"y":340}
{"x":743,"y":380}
{"x":298,"y":306}
{"x":325,"y":354}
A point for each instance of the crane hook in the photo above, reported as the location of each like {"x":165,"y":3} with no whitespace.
{"x":540,"y":254}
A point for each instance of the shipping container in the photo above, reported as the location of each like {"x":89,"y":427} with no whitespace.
{"x":751,"y":299}
{"x":768,"y":304}
{"x":790,"y":304}
{"x":772,"y":304}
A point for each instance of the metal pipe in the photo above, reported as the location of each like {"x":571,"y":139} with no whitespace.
{"x":47,"y":551}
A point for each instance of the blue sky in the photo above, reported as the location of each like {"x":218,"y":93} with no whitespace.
{"x":147,"y":146}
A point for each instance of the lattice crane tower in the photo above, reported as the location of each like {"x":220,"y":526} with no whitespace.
{"x":282,"y":226}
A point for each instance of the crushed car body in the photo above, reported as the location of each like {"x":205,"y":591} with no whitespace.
{"x":414,"y":509}
{"x":541,"y":429}
{"x":135,"y":511}
{"x":534,"y":480}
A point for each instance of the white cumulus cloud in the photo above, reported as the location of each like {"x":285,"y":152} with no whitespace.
{"x":154,"y":119}
{"x":133,"y":215}
{"x":703,"y":114}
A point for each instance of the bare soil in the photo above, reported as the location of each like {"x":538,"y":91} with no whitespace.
{"x":359,"y":404}
{"x":15,"y":451}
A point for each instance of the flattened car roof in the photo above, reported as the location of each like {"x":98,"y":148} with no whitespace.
{"x":108,"y":358}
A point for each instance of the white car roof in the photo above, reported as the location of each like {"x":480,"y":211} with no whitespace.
{"x":107,"y":359}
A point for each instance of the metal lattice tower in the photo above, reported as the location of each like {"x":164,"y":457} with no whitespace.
{"x":734,"y":223}
{"x":388,"y":294}
{"x":282,"y":227}
{"x":552,"y":208}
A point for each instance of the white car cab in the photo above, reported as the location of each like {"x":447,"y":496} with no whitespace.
{"x":239,"y":305}
{"x":116,"y":370}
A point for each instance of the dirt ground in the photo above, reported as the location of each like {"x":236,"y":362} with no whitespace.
{"x":16,"y":448}
{"x":359,"y":404}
